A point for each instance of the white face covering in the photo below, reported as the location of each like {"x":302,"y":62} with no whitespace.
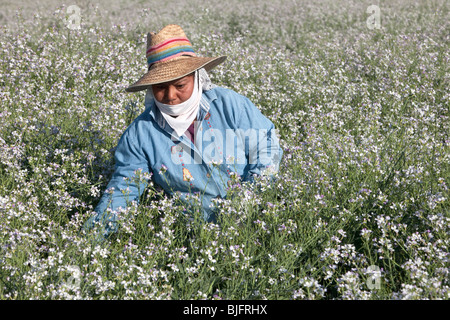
{"x":180,"y":116}
{"x":181,"y":123}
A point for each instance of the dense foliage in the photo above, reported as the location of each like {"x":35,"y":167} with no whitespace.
{"x":359,"y":209}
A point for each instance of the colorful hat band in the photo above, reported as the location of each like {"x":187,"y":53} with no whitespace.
{"x":169,"y":49}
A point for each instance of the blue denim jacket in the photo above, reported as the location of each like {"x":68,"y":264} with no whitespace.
{"x":232,"y":137}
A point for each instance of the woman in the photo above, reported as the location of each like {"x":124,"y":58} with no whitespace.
{"x":193,"y":136}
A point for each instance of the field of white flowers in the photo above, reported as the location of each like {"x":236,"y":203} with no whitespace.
{"x":359,"y":210}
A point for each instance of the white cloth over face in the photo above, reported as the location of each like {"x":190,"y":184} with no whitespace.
{"x":180,"y":116}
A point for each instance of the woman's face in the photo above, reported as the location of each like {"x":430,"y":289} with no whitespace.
{"x":174,"y":92}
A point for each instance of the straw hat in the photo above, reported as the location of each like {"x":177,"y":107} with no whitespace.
{"x":170,"y":56}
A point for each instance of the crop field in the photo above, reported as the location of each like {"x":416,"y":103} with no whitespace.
{"x":358,"y":92}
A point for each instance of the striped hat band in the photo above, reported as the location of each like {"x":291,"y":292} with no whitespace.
{"x":169,"y":49}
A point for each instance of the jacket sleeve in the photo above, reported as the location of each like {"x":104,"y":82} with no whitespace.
{"x":263,"y":150}
{"x":126,"y":185}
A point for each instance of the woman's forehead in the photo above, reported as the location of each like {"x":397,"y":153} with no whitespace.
{"x":176,"y":81}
